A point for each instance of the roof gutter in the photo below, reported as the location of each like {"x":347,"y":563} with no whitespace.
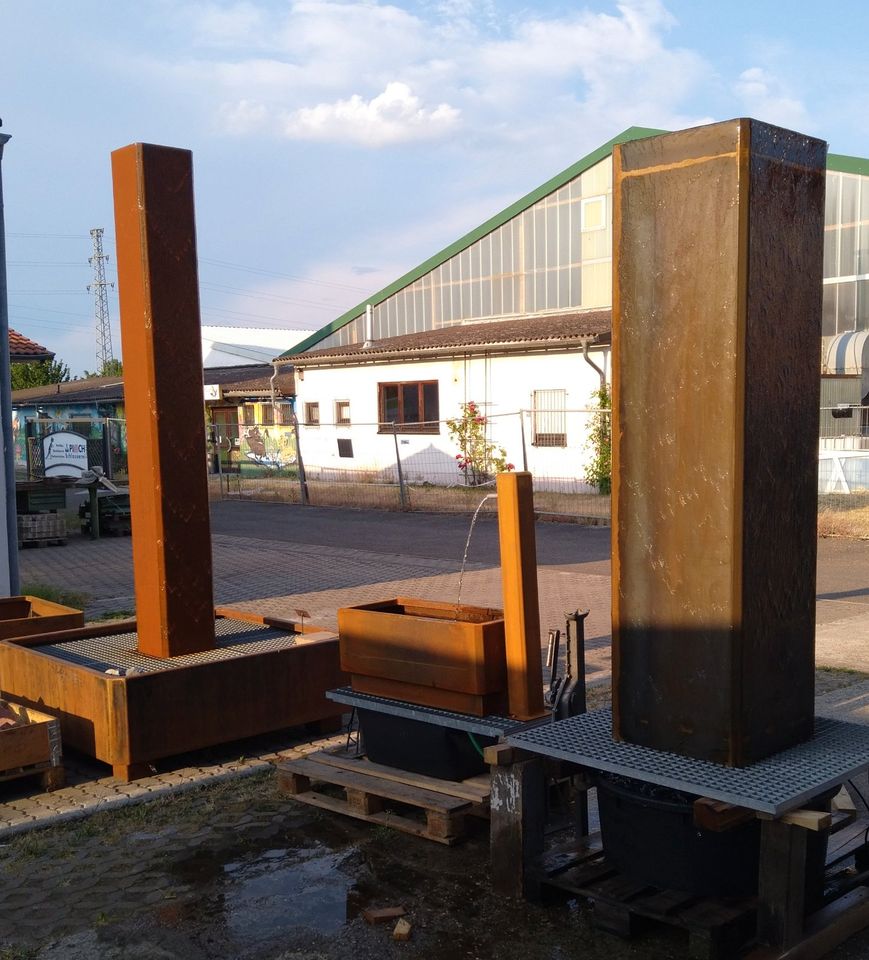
{"x":300,"y":362}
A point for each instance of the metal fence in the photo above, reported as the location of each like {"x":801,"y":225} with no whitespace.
{"x":843,"y":471}
{"x":394,"y":467}
{"x":421,"y":467}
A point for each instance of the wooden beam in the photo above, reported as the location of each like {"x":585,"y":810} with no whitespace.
{"x":517,"y":813}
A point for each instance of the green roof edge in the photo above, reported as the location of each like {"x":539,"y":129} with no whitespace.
{"x":632,"y":133}
{"x":845,"y":164}
{"x":835,"y":161}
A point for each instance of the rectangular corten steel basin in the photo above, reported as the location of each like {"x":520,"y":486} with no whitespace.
{"x":425,"y":652}
{"x":129,"y":709}
{"x":26,"y":616}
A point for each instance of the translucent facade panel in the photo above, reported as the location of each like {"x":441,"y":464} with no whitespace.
{"x":537,"y":262}
{"x":597,"y":284}
{"x":846,"y":254}
{"x":828,"y":322}
{"x":846,"y":310}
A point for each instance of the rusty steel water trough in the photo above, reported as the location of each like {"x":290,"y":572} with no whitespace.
{"x":177,"y":679}
{"x":26,"y":616}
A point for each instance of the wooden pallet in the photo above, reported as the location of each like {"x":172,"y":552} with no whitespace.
{"x":53,"y":776}
{"x":43,"y":542}
{"x":370,"y":789}
{"x":716,"y":927}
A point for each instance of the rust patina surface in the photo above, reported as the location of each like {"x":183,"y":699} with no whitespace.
{"x":159,"y":299}
{"x":718,"y":237}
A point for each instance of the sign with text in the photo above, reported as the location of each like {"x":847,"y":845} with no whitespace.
{"x":64,"y":454}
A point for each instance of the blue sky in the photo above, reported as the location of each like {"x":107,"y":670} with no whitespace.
{"x":337,"y":144}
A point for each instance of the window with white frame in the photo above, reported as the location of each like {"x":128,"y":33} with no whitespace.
{"x":593,"y":213}
{"x":549,"y":418}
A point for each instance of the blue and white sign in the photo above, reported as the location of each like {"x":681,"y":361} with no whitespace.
{"x":64,"y":454}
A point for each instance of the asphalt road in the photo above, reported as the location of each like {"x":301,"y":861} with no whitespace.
{"x":843,"y":565}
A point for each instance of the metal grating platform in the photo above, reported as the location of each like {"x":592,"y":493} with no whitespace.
{"x":233,"y":638}
{"x":776,"y":785}
{"x":485,"y":726}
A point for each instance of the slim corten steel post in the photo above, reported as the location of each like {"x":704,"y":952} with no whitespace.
{"x":519,"y":582}
{"x":718,"y":236}
{"x":159,"y":300}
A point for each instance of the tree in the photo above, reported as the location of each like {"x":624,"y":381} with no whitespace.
{"x":599,"y":469}
{"x":111,"y":368}
{"x":477,"y":458}
{"x":39,"y":373}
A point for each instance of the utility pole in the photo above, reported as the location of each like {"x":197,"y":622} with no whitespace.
{"x":101,"y":301}
{"x":8,"y":521}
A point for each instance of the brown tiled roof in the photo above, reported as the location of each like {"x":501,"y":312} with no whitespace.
{"x":24,"y":350}
{"x":252,"y":380}
{"x":236,"y":382}
{"x":91,"y":390}
{"x":531,"y":333}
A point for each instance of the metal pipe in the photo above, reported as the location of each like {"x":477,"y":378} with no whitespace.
{"x":9,"y":578}
{"x":591,"y":363}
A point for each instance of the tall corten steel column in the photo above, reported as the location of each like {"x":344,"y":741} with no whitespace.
{"x":718,"y":236}
{"x":159,"y":299}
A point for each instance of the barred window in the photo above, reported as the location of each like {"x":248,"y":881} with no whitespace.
{"x":312,"y":414}
{"x":248,"y":412}
{"x":342,"y":412}
{"x":549,"y":418}
{"x":268,"y":414}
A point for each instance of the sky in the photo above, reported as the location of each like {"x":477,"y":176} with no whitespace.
{"x":338,"y":144}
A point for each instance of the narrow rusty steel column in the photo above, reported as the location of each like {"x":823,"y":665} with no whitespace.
{"x":718,"y":237}
{"x":159,"y":299}
{"x":519,"y":581}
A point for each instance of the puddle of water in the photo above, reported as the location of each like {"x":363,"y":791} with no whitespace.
{"x":278,"y":889}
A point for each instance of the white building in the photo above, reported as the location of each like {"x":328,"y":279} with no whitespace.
{"x":361,"y":406}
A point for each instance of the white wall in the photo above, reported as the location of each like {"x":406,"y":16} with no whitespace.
{"x":501,"y":386}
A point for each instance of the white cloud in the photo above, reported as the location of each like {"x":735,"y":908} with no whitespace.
{"x":395,"y":116}
{"x":764,"y":95}
{"x":380,"y":74}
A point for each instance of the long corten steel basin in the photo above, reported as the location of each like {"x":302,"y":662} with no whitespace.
{"x":130,"y":720}
{"x":26,"y":616}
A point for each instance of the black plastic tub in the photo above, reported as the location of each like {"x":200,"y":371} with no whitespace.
{"x":648,"y":833}
{"x":422,"y":747}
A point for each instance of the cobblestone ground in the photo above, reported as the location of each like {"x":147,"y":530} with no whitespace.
{"x":206,"y":860}
{"x":239,"y":871}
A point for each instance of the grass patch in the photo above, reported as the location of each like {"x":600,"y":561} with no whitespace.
{"x":111,"y":827}
{"x":852,"y":523}
{"x":116,"y":615}
{"x":45,"y":591}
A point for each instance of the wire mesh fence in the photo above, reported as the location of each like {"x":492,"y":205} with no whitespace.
{"x":843,"y":471}
{"x":421,"y":466}
{"x":432,"y":467}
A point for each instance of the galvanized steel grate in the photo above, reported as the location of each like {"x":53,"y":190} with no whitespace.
{"x":782,"y":782}
{"x":486,"y":726}
{"x":233,"y":638}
